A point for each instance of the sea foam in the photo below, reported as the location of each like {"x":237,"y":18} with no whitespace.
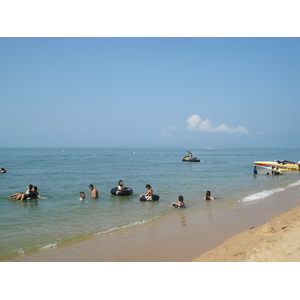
{"x":48,"y":246}
{"x":267,"y":193}
{"x":136,"y":223}
{"x":261,"y":195}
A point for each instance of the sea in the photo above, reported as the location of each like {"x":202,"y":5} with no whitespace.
{"x":62,"y":173}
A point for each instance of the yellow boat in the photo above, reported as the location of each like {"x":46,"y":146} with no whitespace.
{"x":283,"y":165}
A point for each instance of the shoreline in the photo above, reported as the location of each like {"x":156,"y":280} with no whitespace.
{"x":183,"y":237}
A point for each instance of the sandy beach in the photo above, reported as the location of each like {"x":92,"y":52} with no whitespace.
{"x":274,"y":241}
{"x":264,"y":231}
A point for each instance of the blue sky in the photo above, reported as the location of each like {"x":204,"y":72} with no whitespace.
{"x":202,"y":92}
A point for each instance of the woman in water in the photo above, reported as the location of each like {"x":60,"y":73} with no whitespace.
{"x":33,"y":194}
{"x":208,"y":196}
{"x":180,"y":203}
{"x":18,"y":196}
{"x":121,"y":186}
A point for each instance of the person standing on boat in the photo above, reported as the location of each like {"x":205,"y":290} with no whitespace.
{"x":190,"y":154}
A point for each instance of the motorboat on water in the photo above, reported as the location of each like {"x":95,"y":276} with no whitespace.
{"x":190,"y":158}
{"x":282,"y":165}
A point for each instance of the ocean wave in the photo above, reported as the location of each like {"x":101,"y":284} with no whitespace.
{"x":294,"y":184}
{"x":136,"y":223}
{"x":261,"y":195}
{"x":48,"y":246}
{"x":267,"y":193}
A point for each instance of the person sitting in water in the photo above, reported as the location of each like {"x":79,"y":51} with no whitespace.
{"x":180,"y":203}
{"x":18,"y":196}
{"x":277,"y":172}
{"x":208,"y":196}
{"x":82,"y":196}
{"x":33,"y":194}
{"x":149,"y":193}
{"x":94,"y":191}
{"x":121,"y":186}
{"x":2,"y":170}
{"x":271,"y":172}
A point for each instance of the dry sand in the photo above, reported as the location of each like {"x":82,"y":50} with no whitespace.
{"x":275,"y":241}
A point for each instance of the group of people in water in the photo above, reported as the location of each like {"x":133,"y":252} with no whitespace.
{"x":273,"y":171}
{"x":120,"y":187}
{"x":31,"y":193}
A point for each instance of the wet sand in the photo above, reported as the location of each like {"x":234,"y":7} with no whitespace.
{"x":190,"y":235}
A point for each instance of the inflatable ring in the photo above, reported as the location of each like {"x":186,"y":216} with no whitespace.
{"x":177,"y":206}
{"x":149,"y":198}
{"x":116,"y":192}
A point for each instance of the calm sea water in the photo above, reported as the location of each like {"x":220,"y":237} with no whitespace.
{"x":60,"y":174}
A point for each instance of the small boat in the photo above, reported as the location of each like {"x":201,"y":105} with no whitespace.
{"x":283,"y":165}
{"x":189,"y":159}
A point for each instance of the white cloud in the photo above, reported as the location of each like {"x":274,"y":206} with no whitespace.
{"x":195,"y":123}
{"x":165,"y":134}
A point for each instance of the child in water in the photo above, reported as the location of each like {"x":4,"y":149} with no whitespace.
{"x":82,"y":196}
{"x":149,"y":192}
{"x":180,"y":203}
{"x":208,"y":196}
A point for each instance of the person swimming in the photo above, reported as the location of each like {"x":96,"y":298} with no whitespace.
{"x":208,"y":196}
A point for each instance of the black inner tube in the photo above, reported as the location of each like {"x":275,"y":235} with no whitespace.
{"x":125,"y":192}
{"x":149,"y":198}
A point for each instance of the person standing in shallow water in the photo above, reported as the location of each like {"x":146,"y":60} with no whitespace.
{"x":254,"y":170}
{"x":94,"y":191}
